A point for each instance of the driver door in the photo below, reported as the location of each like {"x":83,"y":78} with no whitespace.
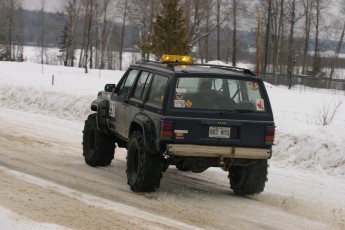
{"x":118,"y":106}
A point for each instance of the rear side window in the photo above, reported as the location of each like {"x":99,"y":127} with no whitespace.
{"x":142,"y":85}
{"x":218,"y":94}
{"x":156,"y":94}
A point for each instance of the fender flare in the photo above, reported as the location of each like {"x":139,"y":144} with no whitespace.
{"x":101,"y":106}
{"x":145,"y":123}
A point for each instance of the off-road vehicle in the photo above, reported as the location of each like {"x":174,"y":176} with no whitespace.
{"x":193,"y":116}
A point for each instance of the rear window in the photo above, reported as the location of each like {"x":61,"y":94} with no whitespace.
{"x":218,"y":94}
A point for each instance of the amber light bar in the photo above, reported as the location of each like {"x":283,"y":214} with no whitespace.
{"x":167,"y":58}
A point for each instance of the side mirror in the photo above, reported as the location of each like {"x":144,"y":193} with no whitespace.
{"x":109,"y":88}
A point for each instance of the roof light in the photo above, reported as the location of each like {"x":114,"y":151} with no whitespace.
{"x":166,"y":58}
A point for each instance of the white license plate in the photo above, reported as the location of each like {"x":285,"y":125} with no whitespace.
{"x":219,"y":132}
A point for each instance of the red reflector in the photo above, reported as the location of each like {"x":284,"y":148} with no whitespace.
{"x":270,"y":131}
{"x":167,"y":129}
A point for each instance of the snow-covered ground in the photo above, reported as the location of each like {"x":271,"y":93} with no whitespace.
{"x":301,"y":143}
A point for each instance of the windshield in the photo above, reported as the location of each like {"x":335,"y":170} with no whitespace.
{"x":218,"y":94}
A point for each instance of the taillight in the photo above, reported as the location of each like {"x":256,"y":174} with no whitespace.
{"x":167,"y":130}
{"x":270,"y":130}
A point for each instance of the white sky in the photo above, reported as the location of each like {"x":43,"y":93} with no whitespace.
{"x":49,"y":5}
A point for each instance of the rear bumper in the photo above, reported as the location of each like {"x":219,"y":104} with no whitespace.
{"x":218,"y":151}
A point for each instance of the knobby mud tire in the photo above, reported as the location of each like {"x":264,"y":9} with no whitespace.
{"x":98,"y":147}
{"x":144,"y":170}
{"x":248,"y":180}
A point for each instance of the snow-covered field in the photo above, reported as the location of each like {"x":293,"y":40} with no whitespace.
{"x":301,"y":143}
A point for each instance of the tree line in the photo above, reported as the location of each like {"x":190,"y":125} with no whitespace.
{"x":285,"y":36}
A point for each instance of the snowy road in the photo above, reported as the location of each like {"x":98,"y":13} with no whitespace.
{"x":43,"y":177}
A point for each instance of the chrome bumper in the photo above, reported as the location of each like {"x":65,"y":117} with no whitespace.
{"x":218,"y":151}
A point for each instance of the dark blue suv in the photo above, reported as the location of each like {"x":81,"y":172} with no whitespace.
{"x":188,"y":115}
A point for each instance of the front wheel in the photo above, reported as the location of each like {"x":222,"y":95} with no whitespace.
{"x":248,"y":180}
{"x":98,"y":147}
{"x":144,"y":170}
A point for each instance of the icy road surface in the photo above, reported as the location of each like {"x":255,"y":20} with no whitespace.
{"x":43,"y":177}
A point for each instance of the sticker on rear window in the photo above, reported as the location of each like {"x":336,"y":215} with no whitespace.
{"x":253,"y":85}
{"x":260,"y":105}
{"x":179,"y":96}
{"x":181,"y":90}
{"x":179,"y":103}
{"x":189,"y":103}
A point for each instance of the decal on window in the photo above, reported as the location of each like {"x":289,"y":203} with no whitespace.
{"x":179,"y":103}
{"x":253,"y":85}
{"x":260,"y":105}
{"x":189,"y":103}
{"x":179,"y":96}
{"x":181,"y":90}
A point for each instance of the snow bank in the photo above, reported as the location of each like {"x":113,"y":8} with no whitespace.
{"x":319,"y":148}
{"x":299,"y":141}
{"x":60,"y":91}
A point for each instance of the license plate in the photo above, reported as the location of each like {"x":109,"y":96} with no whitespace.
{"x":219,"y":132}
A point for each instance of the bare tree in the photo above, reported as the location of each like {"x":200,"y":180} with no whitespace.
{"x":198,"y":14}
{"x":291,"y":6}
{"x":89,"y":18}
{"x":238,"y":10}
{"x":11,"y":29}
{"x":224,"y":14}
{"x":218,"y":29}
{"x":278,"y":32}
{"x":69,"y":34}
{"x":320,"y":6}
{"x":104,"y":38}
{"x":267,"y":35}
{"x":42,"y":33}
{"x":340,"y":43}
{"x":208,"y":8}
{"x":123,"y":32}
{"x":308,"y":15}
{"x":142,"y":13}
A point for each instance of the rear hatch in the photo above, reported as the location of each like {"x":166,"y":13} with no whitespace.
{"x":219,"y":111}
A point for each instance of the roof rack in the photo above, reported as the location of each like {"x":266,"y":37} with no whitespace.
{"x":172,"y":65}
{"x":223,"y":67}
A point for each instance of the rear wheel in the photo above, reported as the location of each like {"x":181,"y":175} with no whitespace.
{"x":248,"y":180}
{"x":98,"y":147}
{"x":144,"y":170}
{"x":182,"y":167}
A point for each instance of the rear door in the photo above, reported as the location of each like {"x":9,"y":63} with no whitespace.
{"x":219,"y":110}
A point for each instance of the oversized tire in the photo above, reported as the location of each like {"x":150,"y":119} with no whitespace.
{"x":248,"y":180}
{"x":98,"y":147}
{"x":144,"y":170}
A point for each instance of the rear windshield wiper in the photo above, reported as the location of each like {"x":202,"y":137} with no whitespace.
{"x":228,"y":112}
{"x":244,"y":110}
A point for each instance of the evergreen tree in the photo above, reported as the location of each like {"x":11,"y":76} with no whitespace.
{"x":170,"y":30}
{"x":64,"y":46}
